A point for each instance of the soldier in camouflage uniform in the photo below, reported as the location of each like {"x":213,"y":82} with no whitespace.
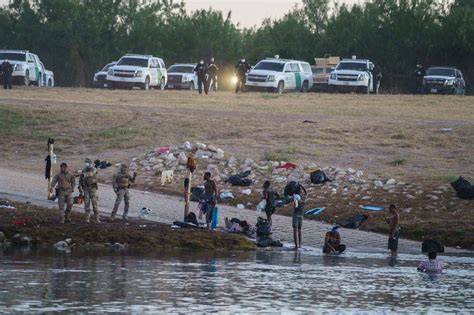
{"x":120,"y":183}
{"x":66,"y":183}
{"x":88,"y":186}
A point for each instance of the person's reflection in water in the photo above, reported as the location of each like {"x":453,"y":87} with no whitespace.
{"x":118,"y":277}
{"x":265,"y":257}
{"x":60,"y":277}
{"x":332,"y":260}
{"x":297,"y":257}
{"x":392,"y":261}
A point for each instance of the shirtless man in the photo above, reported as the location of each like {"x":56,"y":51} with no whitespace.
{"x":394,"y":232}
{"x":210,"y":196}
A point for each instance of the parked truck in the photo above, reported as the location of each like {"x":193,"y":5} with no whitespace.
{"x":27,"y":68}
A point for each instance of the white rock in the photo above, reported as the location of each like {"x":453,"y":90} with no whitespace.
{"x":157,"y":167}
{"x":182,"y":158}
{"x":212,"y":148}
{"x":378,"y":183}
{"x":240,"y":206}
{"x":350,"y":171}
{"x":219,"y":154}
{"x":188,"y":146}
{"x":372,"y":177}
{"x":391,"y":181}
{"x":246,"y":192}
{"x":200,"y":146}
{"x":359,"y":174}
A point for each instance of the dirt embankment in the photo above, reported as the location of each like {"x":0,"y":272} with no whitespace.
{"x":36,"y":226}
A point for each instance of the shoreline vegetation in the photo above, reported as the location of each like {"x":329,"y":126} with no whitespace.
{"x":30,"y":225}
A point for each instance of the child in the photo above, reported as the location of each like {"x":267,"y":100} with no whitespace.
{"x":269,"y":196}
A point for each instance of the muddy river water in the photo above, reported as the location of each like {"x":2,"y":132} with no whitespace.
{"x":271,"y":281}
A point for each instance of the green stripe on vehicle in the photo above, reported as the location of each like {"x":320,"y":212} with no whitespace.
{"x":298,"y":80}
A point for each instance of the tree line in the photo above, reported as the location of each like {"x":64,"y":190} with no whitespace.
{"x":76,"y":37}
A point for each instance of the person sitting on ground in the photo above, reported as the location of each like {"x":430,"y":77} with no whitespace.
{"x":269,"y":195}
{"x":210,"y":197}
{"x":332,"y":242}
{"x":432,"y":265}
{"x":299,"y":198}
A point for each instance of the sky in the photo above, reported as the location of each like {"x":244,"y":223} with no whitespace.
{"x":247,"y":13}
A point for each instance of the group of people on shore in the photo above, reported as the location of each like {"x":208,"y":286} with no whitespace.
{"x":64,"y":183}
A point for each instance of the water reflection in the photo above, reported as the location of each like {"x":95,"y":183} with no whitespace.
{"x":274,"y":281}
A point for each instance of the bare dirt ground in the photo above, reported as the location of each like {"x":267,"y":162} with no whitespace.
{"x":388,"y":136}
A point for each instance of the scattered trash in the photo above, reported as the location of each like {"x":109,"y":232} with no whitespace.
{"x":102,"y":164}
{"x":240,"y":179}
{"x":24,"y":221}
{"x":287,"y":166}
{"x":308,"y":122}
{"x":78,"y":200}
{"x":240,"y":206}
{"x":246,"y":192}
{"x":163,"y":150}
{"x":319,"y":177}
{"x":61,"y":246}
{"x":144,"y":212}
{"x":446,"y":129}
{"x":7,"y":207}
{"x":226,"y":195}
{"x":354,"y":222}
{"x":167,"y":177}
{"x":464,"y":189}
{"x":261,"y":206}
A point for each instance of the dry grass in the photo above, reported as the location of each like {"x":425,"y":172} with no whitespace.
{"x":390,"y":135}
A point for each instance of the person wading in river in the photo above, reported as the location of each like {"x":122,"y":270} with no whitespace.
{"x":394,"y":232}
{"x":299,"y":198}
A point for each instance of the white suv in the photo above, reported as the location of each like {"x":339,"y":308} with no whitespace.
{"x":352,"y":75}
{"x":27,"y":67}
{"x":143,"y":71}
{"x":279,"y":75}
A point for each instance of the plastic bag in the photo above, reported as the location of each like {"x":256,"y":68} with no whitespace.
{"x":261,"y":206}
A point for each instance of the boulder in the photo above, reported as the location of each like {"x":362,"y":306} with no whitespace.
{"x":212,"y":148}
{"x":391,"y":181}
{"x":201,"y":154}
{"x":219,"y":154}
{"x":378,"y":183}
{"x":188,"y":146}
{"x":182,"y":158}
{"x":200,"y":146}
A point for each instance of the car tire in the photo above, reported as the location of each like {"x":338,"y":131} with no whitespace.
{"x":162,"y":83}
{"x":26,"y":78}
{"x":191,"y":86}
{"x":110,"y":85}
{"x":50,"y":83}
{"x":367,"y":89}
{"x":281,"y":87}
{"x":305,"y":87}
{"x":146,"y":86}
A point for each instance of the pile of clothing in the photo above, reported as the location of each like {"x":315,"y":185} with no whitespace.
{"x":264,"y":234}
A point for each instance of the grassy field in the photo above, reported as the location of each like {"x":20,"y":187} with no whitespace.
{"x":387,"y":135}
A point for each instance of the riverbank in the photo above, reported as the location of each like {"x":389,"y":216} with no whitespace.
{"x":26,"y":224}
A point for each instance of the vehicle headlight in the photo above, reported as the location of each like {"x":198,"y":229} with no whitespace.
{"x":271,"y":78}
{"x":449,"y":82}
{"x":138,"y":73}
{"x":333,"y":76}
{"x":110,"y":72}
{"x":362,"y":76}
{"x":95,"y":77}
{"x":186,"y":79}
{"x":18,"y":67}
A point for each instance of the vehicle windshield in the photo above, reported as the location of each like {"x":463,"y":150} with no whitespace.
{"x":181,"y":69}
{"x":130,"y":61}
{"x":317,"y":70}
{"x":12,"y":56}
{"x":445,"y":72}
{"x":107,"y":66}
{"x":357,"y":66}
{"x":271,"y":66}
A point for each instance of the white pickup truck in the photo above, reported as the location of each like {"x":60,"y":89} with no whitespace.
{"x":27,"y":68}
{"x":280,"y":75}
{"x":353,"y":75}
{"x":143,"y":71}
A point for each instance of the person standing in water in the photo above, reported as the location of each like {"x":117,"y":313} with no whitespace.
{"x":394,"y":232}
{"x":299,"y":198}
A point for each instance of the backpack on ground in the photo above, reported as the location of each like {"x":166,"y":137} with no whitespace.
{"x":319,"y":177}
{"x":191,"y":218}
{"x":464,"y":189}
{"x":263,"y":227}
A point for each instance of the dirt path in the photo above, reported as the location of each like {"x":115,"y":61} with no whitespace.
{"x":23,"y":187}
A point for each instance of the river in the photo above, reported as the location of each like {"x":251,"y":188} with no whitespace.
{"x":270,"y":281}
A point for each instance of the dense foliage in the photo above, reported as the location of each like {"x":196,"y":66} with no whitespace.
{"x":76,"y":37}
